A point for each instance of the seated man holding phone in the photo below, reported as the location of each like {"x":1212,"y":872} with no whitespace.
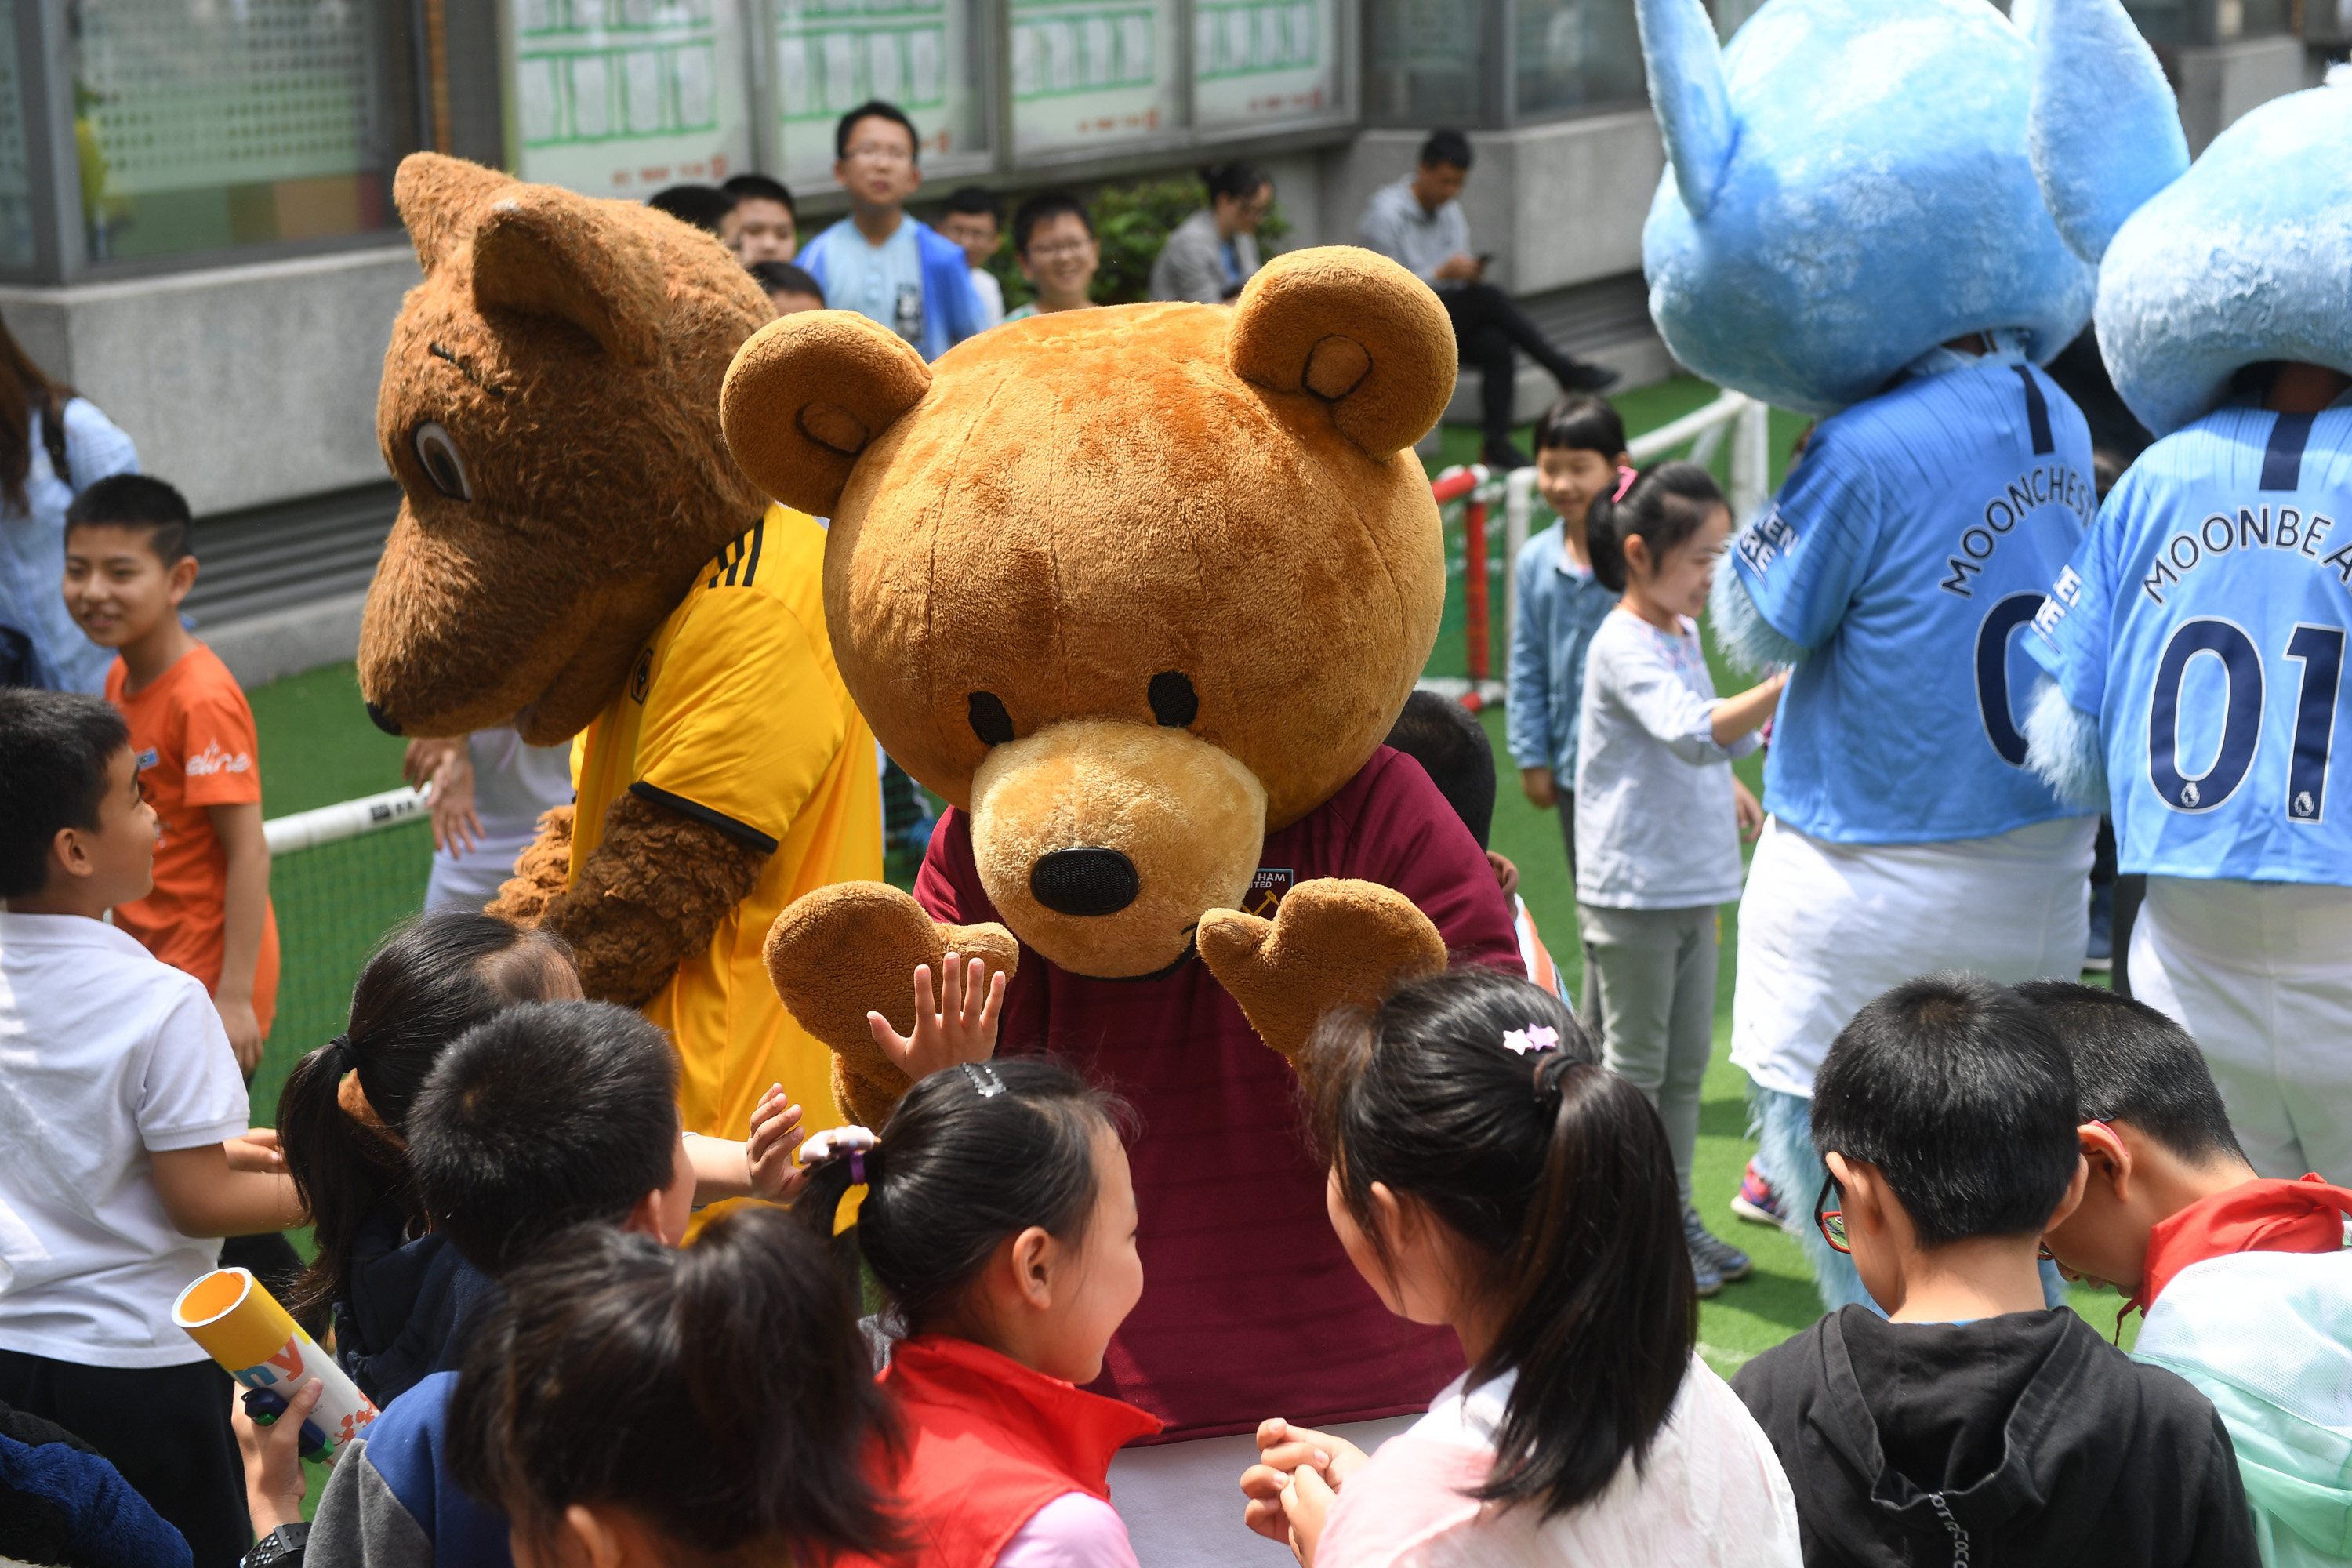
{"x":1418,"y":223}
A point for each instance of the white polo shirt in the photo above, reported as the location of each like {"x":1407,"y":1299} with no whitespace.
{"x":106,"y":1053}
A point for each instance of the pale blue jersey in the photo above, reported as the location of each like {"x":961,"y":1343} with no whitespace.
{"x":2203,"y":622}
{"x":1908,"y":550}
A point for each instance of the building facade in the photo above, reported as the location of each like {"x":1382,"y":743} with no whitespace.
{"x":196,"y":228}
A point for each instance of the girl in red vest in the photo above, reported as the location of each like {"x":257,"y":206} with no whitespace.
{"x":1000,"y":1218}
{"x":1488,"y":1174}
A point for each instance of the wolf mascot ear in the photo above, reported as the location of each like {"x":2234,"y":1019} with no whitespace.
{"x":2104,"y":129}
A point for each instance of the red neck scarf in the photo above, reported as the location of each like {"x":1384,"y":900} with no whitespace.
{"x":988,"y":1443}
{"x":2260,"y":1215}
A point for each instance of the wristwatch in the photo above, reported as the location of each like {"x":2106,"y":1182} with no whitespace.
{"x":281,"y":1548}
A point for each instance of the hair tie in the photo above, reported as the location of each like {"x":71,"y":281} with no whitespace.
{"x":850,"y":1144}
{"x":983,"y":1079}
{"x":1550,"y":1071}
{"x":1625,"y":477}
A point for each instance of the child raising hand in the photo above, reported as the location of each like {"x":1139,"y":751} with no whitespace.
{"x":960,"y":1027}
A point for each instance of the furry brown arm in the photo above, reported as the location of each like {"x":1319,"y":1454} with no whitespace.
{"x":1331,"y":944}
{"x":540,"y":872}
{"x":651,"y":894}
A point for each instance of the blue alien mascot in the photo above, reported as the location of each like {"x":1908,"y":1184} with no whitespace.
{"x":1849,"y":225}
{"x":2197,"y":639}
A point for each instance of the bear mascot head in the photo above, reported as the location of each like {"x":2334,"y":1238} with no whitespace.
{"x":549,"y":406}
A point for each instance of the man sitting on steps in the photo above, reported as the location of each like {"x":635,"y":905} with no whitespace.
{"x":1417,"y":222}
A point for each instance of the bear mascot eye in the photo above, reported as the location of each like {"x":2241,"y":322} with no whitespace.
{"x":1173,"y":701}
{"x":438,"y":451}
{"x":989,"y":721}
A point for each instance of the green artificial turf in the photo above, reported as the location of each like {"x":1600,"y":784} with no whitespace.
{"x":318,"y":747}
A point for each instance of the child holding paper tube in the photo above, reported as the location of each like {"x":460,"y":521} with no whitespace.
{"x":125,"y":1131}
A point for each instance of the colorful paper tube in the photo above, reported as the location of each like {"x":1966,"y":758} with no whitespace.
{"x":240,"y":1325}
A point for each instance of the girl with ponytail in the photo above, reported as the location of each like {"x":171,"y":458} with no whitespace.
{"x":390,"y":1289}
{"x":1488,"y":1174}
{"x":1658,"y":810}
{"x":1000,"y":1220}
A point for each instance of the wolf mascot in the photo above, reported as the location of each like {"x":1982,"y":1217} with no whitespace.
{"x":2197,"y":639}
{"x":1881,"y":256}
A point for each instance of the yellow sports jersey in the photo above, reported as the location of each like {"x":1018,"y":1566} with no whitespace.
{"x":735,"y":716}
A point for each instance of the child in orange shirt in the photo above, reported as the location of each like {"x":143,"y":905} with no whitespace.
{"x":128,"y":567}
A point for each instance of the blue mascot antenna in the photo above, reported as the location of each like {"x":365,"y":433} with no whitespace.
{"x":1849,"y":185}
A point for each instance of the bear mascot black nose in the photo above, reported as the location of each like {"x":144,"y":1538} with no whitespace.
{"x":1085,"y":881}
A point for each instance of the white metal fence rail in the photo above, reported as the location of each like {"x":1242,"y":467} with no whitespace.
{"x":1734,"y":416}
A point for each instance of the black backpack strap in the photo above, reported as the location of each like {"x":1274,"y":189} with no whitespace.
{"x":53,"y":437}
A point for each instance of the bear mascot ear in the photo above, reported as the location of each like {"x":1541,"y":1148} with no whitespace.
{"x":1355,"y":329}
{"x":807,"y":394}
{"x":541,"y":251}
{"x":440,"y":198}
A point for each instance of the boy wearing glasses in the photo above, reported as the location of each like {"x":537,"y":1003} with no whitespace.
{"x":2245,"y":1281}
{"x":1972,"y":1424}
{"x":879,"y":262}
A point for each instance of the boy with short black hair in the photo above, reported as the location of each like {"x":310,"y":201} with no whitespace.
{"x":879,"y":261}
{"x":124,"y":1127}
{"x":130,"y":562}
{"x":763,"y":225}
{"x":974,"y":219}
{"x":2244,"y":1280}
{"x":549,"y":1115}
{"x":1977,"y":1425}
{"x":1451,"y":748}
{"x":789,"y":289}
{"x":1054,"y":244}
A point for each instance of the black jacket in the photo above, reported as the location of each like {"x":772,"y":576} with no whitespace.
{"x":2020,"y":1440}
{"x":409,"y":1309}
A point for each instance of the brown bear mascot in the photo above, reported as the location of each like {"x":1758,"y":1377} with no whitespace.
{"x":1138,"y":591}
{"x":577,"y":553}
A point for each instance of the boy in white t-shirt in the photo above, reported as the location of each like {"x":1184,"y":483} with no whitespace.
{"x":123,"y":1117}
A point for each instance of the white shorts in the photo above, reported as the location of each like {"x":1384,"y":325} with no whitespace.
{"x":1824,"y":928}
{"x":1181,"y":1502}
{"x":2261,"y":974}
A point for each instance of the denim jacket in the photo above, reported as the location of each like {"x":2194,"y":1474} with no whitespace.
{"x":1559,"y":610}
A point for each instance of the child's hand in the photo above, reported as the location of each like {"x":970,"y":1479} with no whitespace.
{"x":776,"y":1137}
{"x":1749,"y":809}
{"x":961,"y":1028}
{"x":244,"y":1027}
{"x":255,"y":1150}
{"x":273,"y":1458}
{"x":1284,"y":1451}
{"x":1542,"y":789}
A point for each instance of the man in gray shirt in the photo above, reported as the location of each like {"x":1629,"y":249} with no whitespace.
{"x":1417,"y":223}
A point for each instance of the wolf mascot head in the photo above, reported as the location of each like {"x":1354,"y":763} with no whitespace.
{"x":2242,"y":258}
{"x":1850,"y":185}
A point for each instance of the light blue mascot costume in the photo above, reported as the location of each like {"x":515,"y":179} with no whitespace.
{"x":1849,"y":225}
{"x":2197,"y":639}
